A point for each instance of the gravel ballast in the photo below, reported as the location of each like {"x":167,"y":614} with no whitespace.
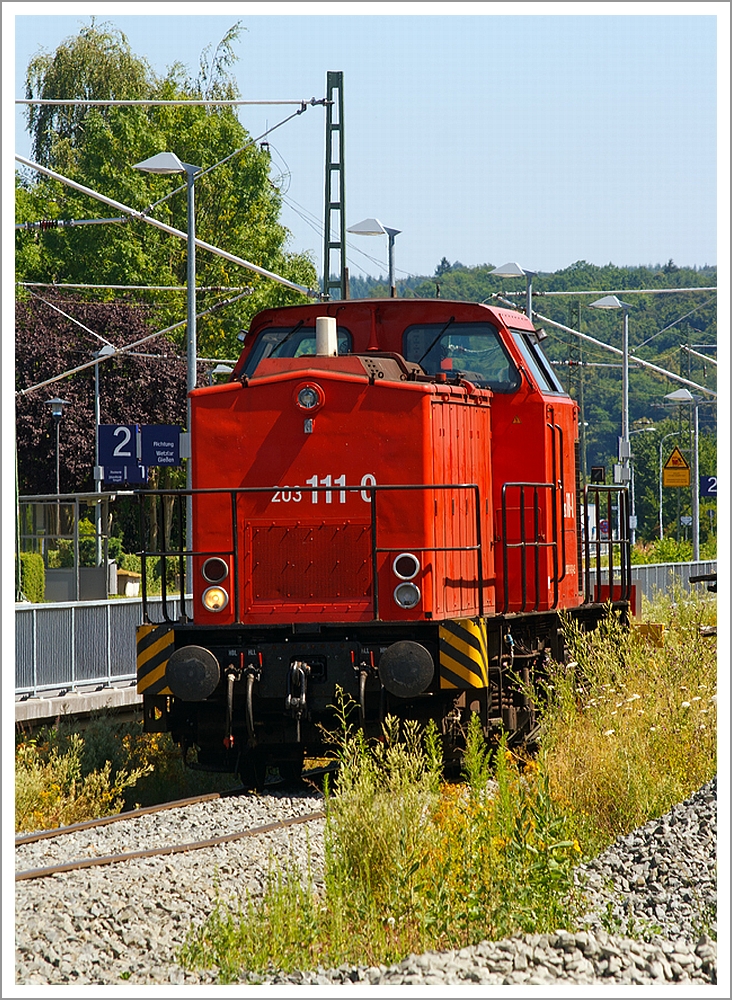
{"x":651,"y":898}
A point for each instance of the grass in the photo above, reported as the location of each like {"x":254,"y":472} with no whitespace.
{"x":414,"y":863}
{"x":65,"y":775}
{"x":630,"y":728}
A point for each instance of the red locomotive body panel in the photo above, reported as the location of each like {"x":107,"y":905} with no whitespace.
{"x":307,"y":538}
{"x":533,"y":426}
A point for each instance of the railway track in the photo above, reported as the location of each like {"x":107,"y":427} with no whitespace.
{"x":143,"y":822}
{"x":196,"y":845}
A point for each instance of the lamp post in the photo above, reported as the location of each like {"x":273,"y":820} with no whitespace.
{"x":57,"y":412}
{"x":104,"y":352}
{"x":372,"y":227}
{"x":660,"y":481}
{"x":684,"y":396}
{"x":168,"y":163}
{"x":514,"y":270}
{"x":623,"y":469}
{"x":633,"y":518}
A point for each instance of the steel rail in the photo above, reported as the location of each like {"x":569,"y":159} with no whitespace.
{"x":90,"y":824}
{"x":153,"y":852}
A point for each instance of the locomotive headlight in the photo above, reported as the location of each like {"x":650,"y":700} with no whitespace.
{"x":406,"y":566}
{"x":309,"y":397}
{"x":407,"y":595}
{"x":215,"y":599}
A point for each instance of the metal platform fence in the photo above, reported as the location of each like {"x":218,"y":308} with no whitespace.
{"x":69,"y":646}
{"x":72,"y":645}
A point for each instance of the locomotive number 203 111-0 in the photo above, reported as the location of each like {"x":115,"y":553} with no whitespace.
{"x":326,"y":489}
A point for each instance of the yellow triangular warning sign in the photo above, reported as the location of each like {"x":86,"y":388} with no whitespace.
{"x":676,"y":461}
{"x":517,"y":420}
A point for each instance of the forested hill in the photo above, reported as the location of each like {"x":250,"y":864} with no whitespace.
{"x":456,"y":281}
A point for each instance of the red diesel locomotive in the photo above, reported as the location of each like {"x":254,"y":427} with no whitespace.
{"x":385,"y":499}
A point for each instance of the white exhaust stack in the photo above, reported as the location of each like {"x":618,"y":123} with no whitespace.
{"x":326,"y":337}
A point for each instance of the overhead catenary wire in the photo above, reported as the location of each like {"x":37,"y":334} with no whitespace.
{"x":229,"y":156}
{"x":133,"y":288}
{"x":616,"y":350}
{"x":621,"y":291}
{"x":674,"y":323}
{"x":160,"y":103}
{"x":51,"y":305}
{"x":171,"y":230}
{"x":45,"y":224}
{"x":127,"y":349}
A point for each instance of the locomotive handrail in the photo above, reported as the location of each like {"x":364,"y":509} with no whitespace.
{"x":558,"y":487}
{"x":524,"y":543}
{"x":182,"y":553}
{"x":478,"y":547}
{"x":622,"y":541}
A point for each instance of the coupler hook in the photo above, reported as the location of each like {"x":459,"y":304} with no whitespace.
{"x":297,"y":685}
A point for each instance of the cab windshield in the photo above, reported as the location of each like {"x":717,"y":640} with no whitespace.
{"x":289,"y":342}
{"x":471,"y":350}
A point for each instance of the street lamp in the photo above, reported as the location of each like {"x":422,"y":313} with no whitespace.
{"x":220,"y":369}
{"x":514,"y":270}
{"x":104,"y":352}
{"x":684,"y":396}
{"x":372,"y":227}
{"x":660,"y":481}
{"x":57,"y":412}
{"x":623,"y":469}
{"x":633,"y":518}
{"x":168,"y":163}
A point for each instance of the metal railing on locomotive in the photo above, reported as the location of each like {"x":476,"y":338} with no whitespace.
{"x":180,"y":554}
{"x":603,"y":549}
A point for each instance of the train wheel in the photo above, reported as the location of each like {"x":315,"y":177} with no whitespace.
{"x":253,"y":770}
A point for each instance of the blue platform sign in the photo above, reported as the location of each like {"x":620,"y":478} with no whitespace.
{"x":160,"y":445}
{"x":119,"y":454}
{"x":708,"y":486}
{"x":118,"y":445}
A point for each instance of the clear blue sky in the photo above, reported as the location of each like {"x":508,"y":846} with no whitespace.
{"x":485,"y":137}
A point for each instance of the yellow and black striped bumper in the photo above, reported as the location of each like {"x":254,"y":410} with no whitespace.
{"x":463,"y":654}
{"x":154,"y":646}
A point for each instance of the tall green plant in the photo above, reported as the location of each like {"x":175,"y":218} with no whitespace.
{"x":32,"y":576}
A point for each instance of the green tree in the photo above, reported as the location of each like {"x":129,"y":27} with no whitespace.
{"x":237,"y":207}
